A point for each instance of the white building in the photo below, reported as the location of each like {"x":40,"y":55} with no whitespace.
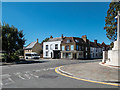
{"x":95,"y":50}
{"x":52,"y":48}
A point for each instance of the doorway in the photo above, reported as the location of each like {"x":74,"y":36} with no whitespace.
{"x":57,"y":55}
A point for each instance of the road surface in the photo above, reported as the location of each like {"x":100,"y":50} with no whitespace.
{"x":43,"y":75}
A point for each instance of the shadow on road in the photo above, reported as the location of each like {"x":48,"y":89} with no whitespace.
{"x":24,"y":62}
{"x":29,"y":62}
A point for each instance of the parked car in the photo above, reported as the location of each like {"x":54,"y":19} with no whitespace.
{"x":32,"y":55}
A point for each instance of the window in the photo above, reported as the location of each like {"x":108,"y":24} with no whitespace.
{"x":77,"y":48}
{"x":46,"y":47}
{"x":67,"y":48}
{"x":82,"y":48}
{"x":51,"y":47}
{"x":103,"y":48}
{"x":93,"y":54}
{"x":46,"y":53}
{"x":72,"y":47}
{"x":63,"y":48}
{"x":56,"y":46}
{"x":28,"y":54}
{"x":68,"y":55}
{"x":68,"y":41}
{"x":76,"y":40}
{"x":86,"y":48}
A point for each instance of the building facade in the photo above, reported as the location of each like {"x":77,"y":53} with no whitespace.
{"x":52,"y":48}
{"x":72,"y":48}
{"x":95,"y":50}
{"x":33,"y":47}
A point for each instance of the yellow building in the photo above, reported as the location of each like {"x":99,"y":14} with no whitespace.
{"x":33,"y":47}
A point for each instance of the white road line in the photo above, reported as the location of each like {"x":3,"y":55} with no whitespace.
{"x":18,"y":74}
{"x":34,"y":75}
{"x":28,"y":76}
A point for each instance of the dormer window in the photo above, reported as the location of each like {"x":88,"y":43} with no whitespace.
{"x":68,"y":41}
{"x":76,"y":40}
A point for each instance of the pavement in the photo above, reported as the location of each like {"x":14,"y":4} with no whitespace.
{"x":92,"y":72}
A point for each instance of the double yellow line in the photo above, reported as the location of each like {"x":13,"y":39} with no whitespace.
{"x":56,"y":70}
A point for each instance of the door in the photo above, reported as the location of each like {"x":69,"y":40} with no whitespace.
{"x":51,"y":55}
{"x":57,"y":54}
{"x":74,"y":55}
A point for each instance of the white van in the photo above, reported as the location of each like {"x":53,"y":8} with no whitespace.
{"x":32,"y":55}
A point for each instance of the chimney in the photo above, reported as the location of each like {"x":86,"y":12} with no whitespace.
{"x":37,"y":40}
{"x":95,"y":41}
{"x":62,"y":36}
{"x":84,"y":37}
{"x":51,"y":36}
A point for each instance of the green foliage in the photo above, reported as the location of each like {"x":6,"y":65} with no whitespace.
{"x":111,"y":45}
{"x":111,"y":22}
{"x":46,"y":39}
{"x":12,"y":42}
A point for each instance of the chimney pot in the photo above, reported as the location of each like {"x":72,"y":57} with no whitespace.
{"x":95,"y":41}
{"x":51,"y":36}
{"x":62,"y":35}
{"x":37,"y":40}
{"x":84,"y":37}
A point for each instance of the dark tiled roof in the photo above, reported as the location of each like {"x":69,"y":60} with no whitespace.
{"x":55,"y":39}
{"x":92,"y":44}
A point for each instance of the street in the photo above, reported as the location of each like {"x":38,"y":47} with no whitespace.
{"x":43,"y":75}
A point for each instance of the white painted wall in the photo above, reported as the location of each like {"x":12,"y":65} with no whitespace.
{"x":94,"y":50}
{"x":51,"y":47}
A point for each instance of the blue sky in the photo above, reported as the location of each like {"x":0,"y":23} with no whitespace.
{"x":43,"y":19}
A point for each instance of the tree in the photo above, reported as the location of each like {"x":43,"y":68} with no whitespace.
{"x":46,"y":39}
{"x":111,"y":22}
{"x":12,"y":42}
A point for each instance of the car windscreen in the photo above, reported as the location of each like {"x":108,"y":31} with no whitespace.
{"x":28,"y":54}
{"x":35,"y":55}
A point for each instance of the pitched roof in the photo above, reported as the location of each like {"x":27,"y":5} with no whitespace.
{"x":31,"y":45}
{"x":92,"y":44}
{"x":55,"y":39}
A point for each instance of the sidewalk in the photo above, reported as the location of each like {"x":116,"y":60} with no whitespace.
{"x":92,"y":71}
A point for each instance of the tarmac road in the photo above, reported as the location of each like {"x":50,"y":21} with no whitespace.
{"x":43,"y":75}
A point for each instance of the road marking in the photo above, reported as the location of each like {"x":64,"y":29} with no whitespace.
{"x":34,"y":75}
{"x":28,"y":76}
{"x":9,"y":81}
{"x":56,"y":70}
{"x":18,"y":74}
